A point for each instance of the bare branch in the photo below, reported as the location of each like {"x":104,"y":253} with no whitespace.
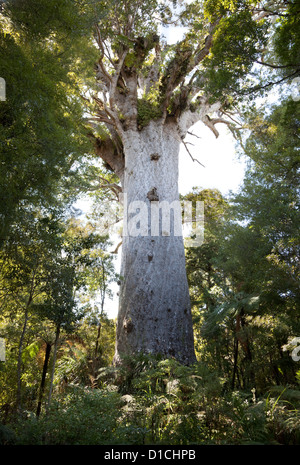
{"x":192,"y":134}
{"x":101,"y":119}
{"x":115,"y":79}
{"x":102,"y":72}
{"x":194,"y":159}
{"x":111,"y":185}
{"x":277,"y":66}
{"x":117,"y":248}
{"x":271,"y":83}
{"x":227,"y":113}
{"x":115,"y":188}
{"x":209,"y":123}
{"x":111,"y":113}
{"x":184,"y":62}
{"x":203,"y":52}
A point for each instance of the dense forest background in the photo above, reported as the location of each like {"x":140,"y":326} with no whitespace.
{"x":57,"y":382}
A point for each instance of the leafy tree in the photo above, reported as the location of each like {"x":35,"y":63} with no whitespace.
{"x":248,"y":302}
{"x":209,"y":283}
{"x":270,"y":204}
{"x":94,"y":277}
{"x":45,"y":53}
{"x":150,"y":93}
{"x":30,"y":246}
{"x":43,"y":134}
{"x":44,"y":268}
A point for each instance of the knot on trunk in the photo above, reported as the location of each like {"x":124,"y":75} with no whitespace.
{"x":154,"y":156}
{"x":128,"y":325}
{"x":152,"y":195}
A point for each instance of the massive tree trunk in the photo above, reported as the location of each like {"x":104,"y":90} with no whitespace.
{"x":145,"y":109}
{"x":154,"y":308}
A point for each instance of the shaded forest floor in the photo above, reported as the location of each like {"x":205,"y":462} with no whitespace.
{"x":151,"y":401}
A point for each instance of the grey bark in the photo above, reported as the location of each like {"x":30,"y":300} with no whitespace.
{"x":154,"y":306}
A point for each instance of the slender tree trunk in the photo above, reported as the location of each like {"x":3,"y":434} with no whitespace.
{"x":19,"y":366}
{"x":102,"y":295}
{"x":95,"y":359}
{"x":97,"y":341}
{"x":20,"y":349}
{"x":245,"y":343}
{"x":53,"y":363}
{"x":43,"y":380}
{"x":235,"y":361}
{"x":154,"y":307}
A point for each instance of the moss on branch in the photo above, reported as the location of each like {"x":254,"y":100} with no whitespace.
{"x":147,"y":111}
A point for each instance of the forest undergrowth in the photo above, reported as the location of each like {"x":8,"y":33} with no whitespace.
{"x":152,"y":401}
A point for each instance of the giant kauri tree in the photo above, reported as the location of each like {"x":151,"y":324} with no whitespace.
{"x":150,"y":94}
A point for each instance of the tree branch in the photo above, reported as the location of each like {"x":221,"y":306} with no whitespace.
{"x":115,"y":188}
{"x":102,"y":72}
{"x":113,"y":117}
{"x":277,"y":66}
{"x":114,"y":81}
{"x":111,"y":185}
{"x":260,"y":13}
{"x":184,"y":62}
{"x":194,"y":159}
{"x":192,"y":134}
{"x":110,"y":153}
{"x":258,"y":87}
{"x":117,"y":248}
{"x":210,"y":124}
{"x":201,"y":54}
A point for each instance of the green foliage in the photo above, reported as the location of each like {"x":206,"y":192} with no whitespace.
{"x":214,"y":9}
{"x":81,"y":417}
{"x":270,"y":198}
{"x":44,"y":269}
{"x":286,"y":40}
{"x":164,"y":398}
{"x":42,"y":130}
{"x":235,"y":47}
{"x":46,"y":51}
{"x":165,"y":403}
{"x":7,"y":436}
{"x":117,"y":13}
{"x":244,"y":278}
{"x":147,"y":111}
{"x":66,"y":19}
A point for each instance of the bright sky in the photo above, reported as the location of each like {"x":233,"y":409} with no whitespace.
{"x":222,"y":169}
